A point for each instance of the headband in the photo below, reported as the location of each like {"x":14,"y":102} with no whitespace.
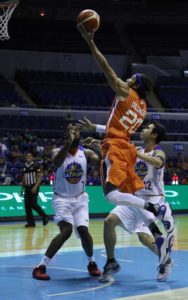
{"x":139,"y":80}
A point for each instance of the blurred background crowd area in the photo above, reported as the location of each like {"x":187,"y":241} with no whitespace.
{"x":13,"y":147}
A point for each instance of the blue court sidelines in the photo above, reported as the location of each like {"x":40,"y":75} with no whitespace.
{"x":70,"y":280}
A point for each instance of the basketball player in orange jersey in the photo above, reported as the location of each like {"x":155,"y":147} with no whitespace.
{"x":120,"y":181}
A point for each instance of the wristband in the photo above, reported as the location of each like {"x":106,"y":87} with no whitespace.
{"x":100,"y":128}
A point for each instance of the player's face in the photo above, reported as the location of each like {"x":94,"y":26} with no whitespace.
{"x":146,"y":133}
{"x":131,"y":81}
{"x":29,"y":158}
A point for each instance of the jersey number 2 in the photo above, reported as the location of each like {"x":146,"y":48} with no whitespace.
{"x":130,"y":121}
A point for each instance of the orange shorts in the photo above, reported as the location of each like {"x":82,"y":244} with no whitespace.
{"x":117,"y":166}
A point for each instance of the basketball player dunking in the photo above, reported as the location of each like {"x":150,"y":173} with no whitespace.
{"x":120,"y":181}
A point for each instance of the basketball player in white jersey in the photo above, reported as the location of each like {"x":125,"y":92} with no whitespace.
{"x":150,"y":167}
{"x":70,"y":200}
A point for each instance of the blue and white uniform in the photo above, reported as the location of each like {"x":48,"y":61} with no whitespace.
{"x":152,"y":177}
{"x":134,"y":219}
{"x":70,"y":200}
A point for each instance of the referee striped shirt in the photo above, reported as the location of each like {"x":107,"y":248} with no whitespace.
{"x":30,"y":173}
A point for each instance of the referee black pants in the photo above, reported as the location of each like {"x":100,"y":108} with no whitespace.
{"x":30,"y":201}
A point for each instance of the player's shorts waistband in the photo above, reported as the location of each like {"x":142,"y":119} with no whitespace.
{"x":65,"y":196}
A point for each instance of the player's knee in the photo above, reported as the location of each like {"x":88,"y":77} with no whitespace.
{"x":112,"y":197}
{"x":65,"y":229}
{"x":110,"y":221}
{"x":83,"y":231}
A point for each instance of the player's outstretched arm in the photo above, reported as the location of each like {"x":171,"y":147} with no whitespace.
{"x":119,"y":86}
{"x":156,"y":160}
{"x":86,"y":124}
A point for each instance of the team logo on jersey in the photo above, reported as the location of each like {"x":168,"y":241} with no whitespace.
{"x":141,"y":168}
{"x":73,"y":173}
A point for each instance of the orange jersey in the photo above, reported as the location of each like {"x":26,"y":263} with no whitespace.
{"x":126,"y":116}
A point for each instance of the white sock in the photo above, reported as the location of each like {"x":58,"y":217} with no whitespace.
{"x":126,"y":199}
{"x":91,"y":258}
{"x":45,"y":261}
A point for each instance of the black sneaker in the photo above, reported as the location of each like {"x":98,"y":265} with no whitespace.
{"x":93,"y":269}
{"x":45,"y":220}
{"x":109,"y":269}
{"x":40,"y":273}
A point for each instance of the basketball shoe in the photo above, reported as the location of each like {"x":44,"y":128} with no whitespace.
{"x":164,"y":271}
{"x":40,"y":273}
{"x":93,"y":269}
{"x":109,"y":269}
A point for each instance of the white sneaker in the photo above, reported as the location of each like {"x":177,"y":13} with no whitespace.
{"x":164,"y":271}
{"x":106,"y":278}
{"x":165,"y":215}
{"x":164,"y":246}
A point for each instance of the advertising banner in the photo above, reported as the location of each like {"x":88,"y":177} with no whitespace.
{"x":12,"y":203}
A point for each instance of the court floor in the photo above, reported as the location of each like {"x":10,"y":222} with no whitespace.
{"x":21,"y":249}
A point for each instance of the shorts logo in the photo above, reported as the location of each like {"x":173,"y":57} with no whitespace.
{"x":73,"y":173}
{"x":141,"y":168}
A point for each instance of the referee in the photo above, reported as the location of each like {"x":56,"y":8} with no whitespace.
{"x":31,"y":180}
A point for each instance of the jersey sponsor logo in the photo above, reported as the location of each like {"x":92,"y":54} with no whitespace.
{"x":73,"y":173}
{"x":141,"y":168}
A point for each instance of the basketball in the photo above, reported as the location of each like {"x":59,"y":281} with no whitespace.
{"x":89,"y":19}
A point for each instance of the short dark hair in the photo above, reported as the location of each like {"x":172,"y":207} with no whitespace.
{"x":160,"y":130}
{"x":144,"y":85}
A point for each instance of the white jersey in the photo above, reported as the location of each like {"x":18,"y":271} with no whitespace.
{"x":152,"y":176}
{"x":70,"y":177}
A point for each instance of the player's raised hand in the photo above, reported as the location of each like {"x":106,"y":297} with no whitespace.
{"x":71,"y":133}
{"x":86,"y":124}
{"x":88,"y":36}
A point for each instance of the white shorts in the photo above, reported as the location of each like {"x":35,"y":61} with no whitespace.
{"x":132,"y":219}
{"x":152,"y":199}
{"x":73,"y":210}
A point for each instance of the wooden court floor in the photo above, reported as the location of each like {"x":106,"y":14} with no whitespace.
{"x":17,"y":241}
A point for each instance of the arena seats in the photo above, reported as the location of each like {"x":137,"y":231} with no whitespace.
{"x":173,"y":92}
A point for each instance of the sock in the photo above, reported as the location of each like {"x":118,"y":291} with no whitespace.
{"x":110,"y":260}
{"x":91,"y":258}
{"x":153,"y":208}
{"x":154,"y":229}
{"x":45,"y":261}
